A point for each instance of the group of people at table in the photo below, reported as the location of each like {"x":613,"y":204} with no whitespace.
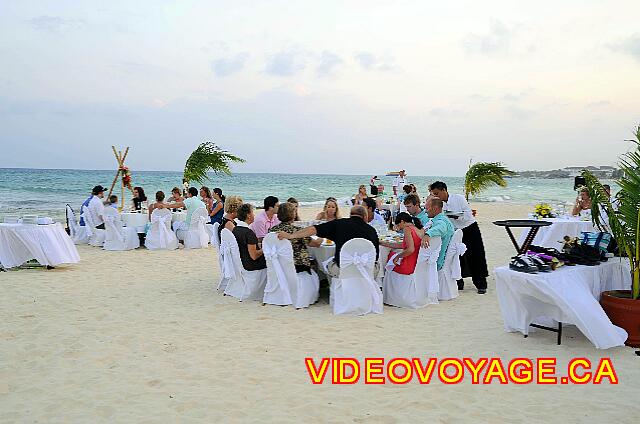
{"x":417,"y":222}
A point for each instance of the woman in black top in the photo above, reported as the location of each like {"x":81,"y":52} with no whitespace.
{"x":138,"y":198}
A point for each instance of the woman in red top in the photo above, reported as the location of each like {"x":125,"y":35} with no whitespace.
{"x":413,"y":233}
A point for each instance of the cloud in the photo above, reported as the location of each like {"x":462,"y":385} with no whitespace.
{"x":439,"y":112}
{"x":599,"y":104}
{"x":286,"y":63}
{"x":497,"y":42}
{"x":370,"y":62}
{"x":224,"y":67}
{"x":510,"y":97}
{"x":328,"y":63}
{"x":520,"y":113}
{"x":55,"y":24}
{"x":630,"y":46}
{"x":479,"y":97}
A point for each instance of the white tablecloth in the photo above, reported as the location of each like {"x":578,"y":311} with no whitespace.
{"x":140,"y":220}
{"x":48,"y":244}
{"x":552,"y":235}
{"x":569,"y":295}
{"x":324,"y":252}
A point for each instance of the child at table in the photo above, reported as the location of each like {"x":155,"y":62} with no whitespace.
{"x":113,"y":201}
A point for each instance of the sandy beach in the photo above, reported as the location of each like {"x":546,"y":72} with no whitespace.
{"x":144,"y":337}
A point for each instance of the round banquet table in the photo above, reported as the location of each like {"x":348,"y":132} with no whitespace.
{"x":325,"y":252}
{"x":552,"y":235}
{"x":140,"y":220}
{"x":48,"y":244}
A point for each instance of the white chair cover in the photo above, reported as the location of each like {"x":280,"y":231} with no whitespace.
{"x":196,"y":236}
{"x":241,"y":284}
{"x":160,"y":236}
{"x":77,"y":233}
{"x":118,"y":237}
{"x":95,"y":236}
{"x":215,"y":239}
{"x":355,"y":291}
{"x":418,"y":289}
{"x":450,"y":272}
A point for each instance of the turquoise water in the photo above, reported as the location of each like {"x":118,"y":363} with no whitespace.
{"x":46,"y":191}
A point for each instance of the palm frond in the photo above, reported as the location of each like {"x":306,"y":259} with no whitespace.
{"x":208,"y":157}
{"x":482,"y":175}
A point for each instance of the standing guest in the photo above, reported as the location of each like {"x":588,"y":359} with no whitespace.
{"x":439,"y":226}
{"x":413,"y":232}
{"x":340,"y":231}
{"x":399,"y":181}
{"x":406,"y":190}
{"x":412,"y":204}
{"x":330,"y":210}
{"x":372,"y":185}
{"x":176,"y":195}
{"x":360,"y":196}
{"x":217,"y":208}
{"x":295,"y":203}
{"x":139,"y":198}
{"x":301,"y":257}
{"x":251,"y":255}
{"x":583,"y":202}
{"x":191,"y":203}
{"x":267,"y":218}
{"x":159,"y":201}
{"x":474,"y":261}
{"x":94,"y":207}
{"x":231,"y":206}
{"x":113,"y":201}
{"x":373,"y":217}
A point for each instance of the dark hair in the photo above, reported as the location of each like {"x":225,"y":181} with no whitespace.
{"x":369,"y":202}
{"x":412,"y":199}
{"x":286,"y":212}
{"x":207,"y":191}
{"x":193,"y":191}
{"x":176,"y":190}
{"x":141,"y":196}
{"x":407,"y":189}
{"x":113,"y":199}
{"x":405,"y":217}
{"x":160,"y":196}
{"x":244,"y":211}
{"x":295,"y":202}
{"x":270,"y":202}
{"x":438,"y":185}
{"x":218,"y":191}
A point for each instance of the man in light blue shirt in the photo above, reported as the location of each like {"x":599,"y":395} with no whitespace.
{"x":438,"y":226}
{"x":191,"y":203}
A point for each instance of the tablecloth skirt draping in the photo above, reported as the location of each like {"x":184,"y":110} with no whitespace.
{"x":552,"y":235}
{"x":140,"y":220}
{"x":48,"y":244}
{"x":569,"y":295}
{"x":324,"y":252}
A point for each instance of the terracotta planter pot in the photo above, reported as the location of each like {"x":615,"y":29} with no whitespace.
{"x":623,"y":312}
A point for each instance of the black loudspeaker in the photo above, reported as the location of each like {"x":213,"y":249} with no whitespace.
{"x":579,"y":181}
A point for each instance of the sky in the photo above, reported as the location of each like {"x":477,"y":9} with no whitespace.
{"x":336,"y":87}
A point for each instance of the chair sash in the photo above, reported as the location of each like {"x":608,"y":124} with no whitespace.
{"x":165,"y":233}
{"x":361,"y":261}
{"x":430,"y":257}
{"x":88,"y":221}
{"x":110,"y":221}
{"x":456,"y":249}
{"x":228,"y":268}
{"x":273,"y":253}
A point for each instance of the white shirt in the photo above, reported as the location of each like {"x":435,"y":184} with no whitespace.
{"x":96,"y":209}
{"x":457,"y":203}
{"x":377,"y":220}
{"x":399,"y":181}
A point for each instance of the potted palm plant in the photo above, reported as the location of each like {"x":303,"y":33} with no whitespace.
{"x":481,"y":175}
{"x":622,"y":306}
{"x":207,"y":157}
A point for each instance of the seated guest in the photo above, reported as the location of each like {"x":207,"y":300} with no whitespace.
{"x":191,"y":203}
{"x":94,"y":207}
{"x":217,"y":207}
{"x":139,"y":198}
{"x":414,"y":189}
{"x":406,"y":190}
{"x":413,"y":233}
{"x":295,"y":203}
{"x":330,"y":210}
{"x":159,"y":201}
{"x":266,"y":218}
{"x":373,"y":217}
{"x":360,"y":196}
{"x":474,"y":261}
{"x":231,"y":213}
{"x":412,"y":203}
{"x":251,"y":255}
{"x":438,"y":226}
{"x":301,"y":258}
{"x":340,"y":231}
{"x":207,"y":199}
{"x":176,"y":195}
{"x":113,"y":201}
{"x":583,"y":202}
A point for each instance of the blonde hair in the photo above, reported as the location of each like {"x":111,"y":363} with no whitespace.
{"x":232,"y":204}
{"x":324,"y":209}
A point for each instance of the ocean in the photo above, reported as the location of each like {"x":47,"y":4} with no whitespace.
{"x":46,"y":191}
